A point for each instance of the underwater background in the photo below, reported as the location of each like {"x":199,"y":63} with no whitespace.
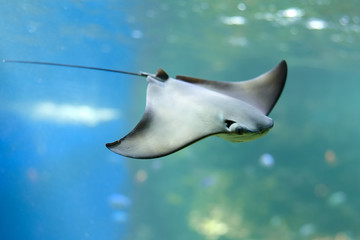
{"x":59,"y":181}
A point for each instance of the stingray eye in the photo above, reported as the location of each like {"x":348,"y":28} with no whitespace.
{"x":229,"y":123}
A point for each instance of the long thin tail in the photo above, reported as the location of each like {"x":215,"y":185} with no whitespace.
{"x":142,"y":74}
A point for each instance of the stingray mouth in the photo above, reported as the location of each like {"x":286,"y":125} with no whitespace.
{"x":236,"y":128}
{"x":241,"y":133}
{"x":246,"y":132}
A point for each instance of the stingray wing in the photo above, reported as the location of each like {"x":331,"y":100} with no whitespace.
{"x":261,"y":92}
{"x":172,"y":121}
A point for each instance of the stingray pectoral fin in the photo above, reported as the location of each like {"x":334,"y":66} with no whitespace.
{"x":261,"y":92}
{"x":155,"y":137}
{"x":264,"y":91}
{"x":171,"y":122}
{"x":137,"y":143}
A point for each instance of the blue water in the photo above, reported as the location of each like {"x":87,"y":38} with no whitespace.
{"x":58,"y":180}
{"x":56,"y":174}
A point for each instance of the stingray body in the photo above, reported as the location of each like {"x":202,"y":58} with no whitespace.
{"x":180,"y":111}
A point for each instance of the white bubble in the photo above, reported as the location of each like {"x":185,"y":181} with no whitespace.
{"x":316,"y":24}
{"x":235,"y":20}
{"x":137,"y":34}
{"x":208,"y":181}
{"x":73,"y":114}
{"x":344,"y":20}
{"x":337,"y":199}
{"x":267,"y":160}
{"x":120,"y":216}
{"x":307,"y":229}
{"x":117,"y":200}
{"x":241,"y":6}
{"x":291,"y":13}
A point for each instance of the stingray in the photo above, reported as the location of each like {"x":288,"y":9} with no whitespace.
{"x":183,"y":110}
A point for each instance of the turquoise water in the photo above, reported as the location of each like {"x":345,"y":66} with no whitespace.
{"x":58,"y":181}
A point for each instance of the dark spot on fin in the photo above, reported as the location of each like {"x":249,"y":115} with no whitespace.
{"x":162,"y":74}
{"x":109,"y":145}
